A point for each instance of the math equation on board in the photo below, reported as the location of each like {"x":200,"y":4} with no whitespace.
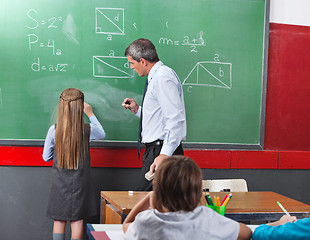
{"x":110,"y":23}
{"x":193,"y":43}
{"x":48,"y":47}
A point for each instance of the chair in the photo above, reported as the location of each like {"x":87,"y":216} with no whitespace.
{"x":225,"y":185}
{"x":206,"y":185}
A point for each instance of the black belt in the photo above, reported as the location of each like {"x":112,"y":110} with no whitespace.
{"x":155,"y":143}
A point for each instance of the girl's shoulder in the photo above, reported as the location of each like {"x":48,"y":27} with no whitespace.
{"x":52,"y":129}
{"x":145,"y":215}
{"x":50,"y":136}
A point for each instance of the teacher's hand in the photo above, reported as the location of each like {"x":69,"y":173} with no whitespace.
{"x":131,"y":105}
{"x":157,"y":161}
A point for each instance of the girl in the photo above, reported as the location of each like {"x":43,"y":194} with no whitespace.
{"x":72,"y":197}
{"x":172,"y":211}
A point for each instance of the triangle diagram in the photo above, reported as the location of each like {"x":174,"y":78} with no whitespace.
{"x":111,"y":67}
{"x":212,"y":74}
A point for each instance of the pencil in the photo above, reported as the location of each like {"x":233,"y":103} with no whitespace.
{"x":284,"y":210}
{"x":209,"y":199}
{"x":226,"y":196}
{"x":227,"y":200}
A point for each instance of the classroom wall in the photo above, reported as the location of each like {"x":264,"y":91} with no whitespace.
{"x":283,"y":166}
{"x":24,"y":192}
{"x":287,"y":110}
{"x":290,"y":12}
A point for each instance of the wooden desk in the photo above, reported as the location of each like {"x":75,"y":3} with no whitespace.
{"x":243,"y":206}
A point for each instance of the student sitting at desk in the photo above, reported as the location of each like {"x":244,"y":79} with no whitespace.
{"x":172,"y":210}
{"x":287,"y":228}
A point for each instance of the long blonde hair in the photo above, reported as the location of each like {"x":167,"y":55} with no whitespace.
{"x":70,"y":142}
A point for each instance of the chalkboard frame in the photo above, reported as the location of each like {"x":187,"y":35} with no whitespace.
{"x":193,"y":145}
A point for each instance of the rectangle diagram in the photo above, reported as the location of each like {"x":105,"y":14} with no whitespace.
{"x":112,"y":67}
{"x":110,"y":21}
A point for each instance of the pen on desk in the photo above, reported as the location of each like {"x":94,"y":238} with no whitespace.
{"x":284,"y":210}
{"x":214,"y":201}
{"x":227,"y":199}
{"x":209,"y":199}
{"x":226,"y":196}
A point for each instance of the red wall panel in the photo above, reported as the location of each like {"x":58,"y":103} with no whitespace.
{"x":22,"y":156}
{"x":127,"y":158}
{"x":254,"y":159}
{"x":115,"y":157}
{"x":101,"y":157}
{"x":288,"y":88}
{"x":211,"y":158}
{"x":294,"y":160}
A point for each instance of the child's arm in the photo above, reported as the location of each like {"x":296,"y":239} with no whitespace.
{"x":49,"y":144}
{"x":96,"y":130}
{"x":284,"y":219}
{"x":285,"y":228}
{"x":88,"y":110}
{"x":245,"y":232}
{"x":144,"y":204}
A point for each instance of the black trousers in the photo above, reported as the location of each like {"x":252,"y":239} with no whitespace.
{"x":149,"y":155}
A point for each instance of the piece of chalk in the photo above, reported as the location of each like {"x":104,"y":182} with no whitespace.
{"x":130,"y":193}
{"x":123,"y":104}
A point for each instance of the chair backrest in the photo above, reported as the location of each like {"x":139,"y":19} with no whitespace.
{"x":206,"y":185}
{"x":226,"y":185}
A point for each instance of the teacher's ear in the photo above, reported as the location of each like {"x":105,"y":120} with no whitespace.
{"x":144,"y":62}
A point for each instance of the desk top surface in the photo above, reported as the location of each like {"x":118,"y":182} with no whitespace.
{"x":241,"y":202}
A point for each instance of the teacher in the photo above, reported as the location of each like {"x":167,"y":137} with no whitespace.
{"x":162,"y":117}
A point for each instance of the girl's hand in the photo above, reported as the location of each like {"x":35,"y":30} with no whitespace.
{"x":285,"y":219}
{"x":88,"y":110}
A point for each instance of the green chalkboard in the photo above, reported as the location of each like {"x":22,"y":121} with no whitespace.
{"x":217,"y":48}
